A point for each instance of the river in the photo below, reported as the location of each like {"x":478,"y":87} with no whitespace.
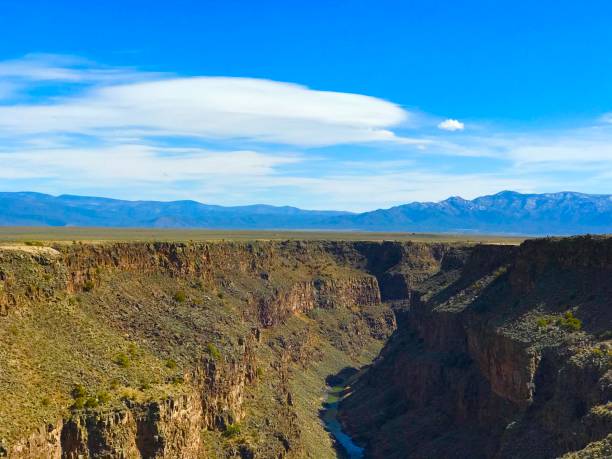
{"x":330,"y":418}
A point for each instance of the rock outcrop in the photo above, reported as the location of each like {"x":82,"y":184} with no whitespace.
{"x":505,"y":355}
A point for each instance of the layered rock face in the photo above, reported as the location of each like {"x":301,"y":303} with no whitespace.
{"x":503,"y":354}
{"x":320,"y":293}
{"x":146,"y":347}
{"x":167,"y":428}
{"x":165,"y":350}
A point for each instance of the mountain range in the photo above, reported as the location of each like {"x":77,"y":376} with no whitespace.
{"x":506,"y":212}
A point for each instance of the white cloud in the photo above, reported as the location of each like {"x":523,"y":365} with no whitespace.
{"x":61,"y":68}
{"x":237,"y":177}
{"x":451,"y":125}
{"x":138,"y":163}
{"x":568,"y":153}
{"x":105,"y":139}
{"x":205,"y":107}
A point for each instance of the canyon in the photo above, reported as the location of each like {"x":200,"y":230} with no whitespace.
{"x":225,"y":349}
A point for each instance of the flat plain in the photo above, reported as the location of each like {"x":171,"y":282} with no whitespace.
{"x":68,"y":234}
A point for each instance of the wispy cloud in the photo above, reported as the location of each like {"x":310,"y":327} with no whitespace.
{"x":63,"y":68}
{"x":239,"y":177}
{"x":126,"y":133}
{"x":607,"y":118}
{"x":139,"y":163}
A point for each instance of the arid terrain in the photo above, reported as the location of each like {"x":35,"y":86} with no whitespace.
{"x":140,"y":346}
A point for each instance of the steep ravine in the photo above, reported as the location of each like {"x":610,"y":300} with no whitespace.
{"x":179,"y":349}
{"x":506,"y":355}
{"x":165,"y":350}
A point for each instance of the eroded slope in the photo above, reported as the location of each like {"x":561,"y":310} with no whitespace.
{"x":504,"y":354}
{"x":180,"y":349}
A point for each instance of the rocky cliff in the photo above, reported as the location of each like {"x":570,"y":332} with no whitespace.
{"x":175,"y":349}
{"x":505,"y":353}
{"x":164,"y":350}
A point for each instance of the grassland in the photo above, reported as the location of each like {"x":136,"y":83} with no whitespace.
{"x":59,"y":234}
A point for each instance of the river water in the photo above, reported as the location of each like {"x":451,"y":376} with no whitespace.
{"x":330,"y":418}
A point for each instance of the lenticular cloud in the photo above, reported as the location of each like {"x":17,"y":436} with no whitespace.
{"x":215,"y":108}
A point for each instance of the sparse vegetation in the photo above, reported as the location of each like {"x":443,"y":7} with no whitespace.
{"x":180,"y":296}
{"x":232,"y":430}
{"x":77,"y":235}
{"x":83,"y":400}
{"x":34,"y":243}
{"x":104,"y":397}
{"x":91,"y":402}
{"x":544,"y":322}
{"x":88,"y":286}
{"x":145,"y":385}
{"x":569,"y":322}
{"x":129,"y":394}
{"x":213,"y":351}
{"x":122,"y":336}
{"x":133,"y":350}
{"x":78,"y":404}
{"x":122,"y":360}
{"x":79,"y":391}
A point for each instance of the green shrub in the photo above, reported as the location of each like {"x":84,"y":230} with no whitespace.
{"x":91,"y":402}
{"x":199,"y":284}
{"x":122,"y":360}
{"x":171,"y":364}
{"x":103,"y":397}
{"x":82,"y":399}
{"x":79,"y":391}
{"x":145,"y":385}
{"x":259,"y":372}
{"x":133,"y":350}
{"x":46,"y":401}
{"x":569,"y":322}
{"x":232,"y":430}
{"x":34,"y":243}
{"x":88,"y":286}
{"x":544,"y":322}
{"x":129,"y":394}
{"x":597,"y":352}
{"x":78,"y":404}
{"x":180,"y":296}
{"x":177,"y":380}
{"x":213,"y":351}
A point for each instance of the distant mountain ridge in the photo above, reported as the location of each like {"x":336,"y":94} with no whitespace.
{"x":507,"y":212}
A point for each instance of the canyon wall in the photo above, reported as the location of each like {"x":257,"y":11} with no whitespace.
{"x":507,"y":355}
{"x":169,"y":340}
{"x":143,"y":350}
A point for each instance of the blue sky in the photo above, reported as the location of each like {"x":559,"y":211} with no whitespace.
{"x":339,"y":104}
